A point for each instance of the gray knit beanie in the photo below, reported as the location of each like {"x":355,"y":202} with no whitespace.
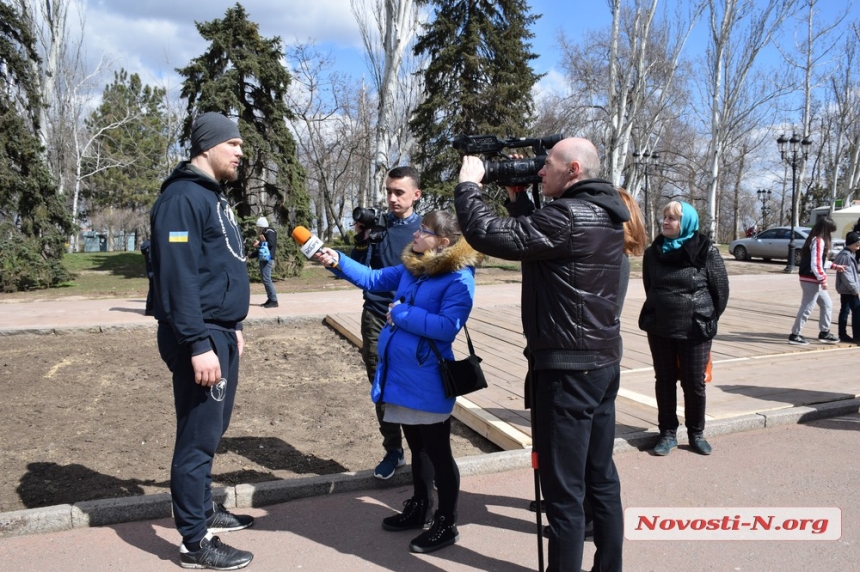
{"x":209,"y":130}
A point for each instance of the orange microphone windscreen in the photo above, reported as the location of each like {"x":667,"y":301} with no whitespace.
{"x":301,"y":234}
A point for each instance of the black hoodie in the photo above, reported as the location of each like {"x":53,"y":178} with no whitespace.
{"x":200,"y":278}
{"x":571,"y":252}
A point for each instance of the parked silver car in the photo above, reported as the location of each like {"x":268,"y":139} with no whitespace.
{"x":773,"y":244}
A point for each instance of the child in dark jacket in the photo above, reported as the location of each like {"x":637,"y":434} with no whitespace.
{"x":848,"y":286}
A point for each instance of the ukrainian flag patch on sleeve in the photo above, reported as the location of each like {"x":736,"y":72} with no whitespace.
{"x":179,"y":236}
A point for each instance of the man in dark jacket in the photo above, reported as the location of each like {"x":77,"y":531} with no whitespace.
{"x":380,"y":246}
{"x":201,"y":295}
{"x":571,"y":253}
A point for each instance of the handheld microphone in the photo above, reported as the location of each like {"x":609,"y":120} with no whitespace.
{"x":309,"y":243}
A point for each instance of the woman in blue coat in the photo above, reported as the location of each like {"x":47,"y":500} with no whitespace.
{"x":435,"y":288}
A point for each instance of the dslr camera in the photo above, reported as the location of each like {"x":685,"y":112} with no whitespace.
{"x":372,"y":219}
{"x":509,"y":172}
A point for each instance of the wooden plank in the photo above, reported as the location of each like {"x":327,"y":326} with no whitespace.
{"x":751,"y":342}
{"x":491,"y":427}
{"x":347,"y":325}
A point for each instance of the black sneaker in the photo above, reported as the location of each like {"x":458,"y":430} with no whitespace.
{"x":846,"y":340}
{"x":699,"y":445}
{"x":416,"y":514}
{"x":214,"y":555}
{"x":665,"y":445}
{"x":392,"y":460}
{"x":797,"y":340}
{"x":443,"y":533}
{"x":223,"y":520}
{"x":270,"y":304}
{"x":827,"y":338}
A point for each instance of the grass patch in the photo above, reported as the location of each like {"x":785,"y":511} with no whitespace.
{"x":490,"y":262}
{"x":106,"y":273}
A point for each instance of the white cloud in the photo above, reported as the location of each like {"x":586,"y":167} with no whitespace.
{"x":154,"y":37}
{"x":553,"y":83}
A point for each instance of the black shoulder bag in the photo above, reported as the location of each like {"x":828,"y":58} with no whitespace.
{"x":463,"y":376}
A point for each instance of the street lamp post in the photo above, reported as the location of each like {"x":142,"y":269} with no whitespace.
{"x":792,"y":151}
{"x":644,"y":160}
{"x":764,"y":197}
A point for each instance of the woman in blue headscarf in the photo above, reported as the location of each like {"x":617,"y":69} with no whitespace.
{"x":686,"y":291}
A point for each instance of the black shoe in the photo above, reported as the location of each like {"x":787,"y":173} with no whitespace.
{"x":533,"y":506}
{"x":224,"y":521}
{"x":214,"y":555}
{"x":827,"y":338}
{"x":797,"y":340}
{"x":846,"y":339}
{"x":443,"y":533}
{"x":415,"y":515}
{"x":699,"y":445}
{"x":665,"y":445}
{"x":270,"y":304}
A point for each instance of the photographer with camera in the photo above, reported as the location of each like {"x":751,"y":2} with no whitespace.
{"x":380,"y":239}
{"x":571,"y":252}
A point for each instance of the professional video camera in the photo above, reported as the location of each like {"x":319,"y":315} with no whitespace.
{"x":513,"y":172}
{"x":372,"y":219}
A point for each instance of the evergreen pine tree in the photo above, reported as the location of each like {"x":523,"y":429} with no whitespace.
{"x":33,"y":219}
{"x":131,"y":151}
{"x":242,"y":74}
{"x":478,"y":82}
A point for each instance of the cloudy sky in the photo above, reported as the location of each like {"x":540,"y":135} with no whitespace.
{"x":153,"y":37}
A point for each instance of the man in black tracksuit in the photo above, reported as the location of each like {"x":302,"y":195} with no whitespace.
{"x":200,"y":295}
{"x":571,"y":252}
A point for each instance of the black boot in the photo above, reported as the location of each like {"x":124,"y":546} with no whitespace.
{"x":442,"y":533}
{"x":415,"y":515}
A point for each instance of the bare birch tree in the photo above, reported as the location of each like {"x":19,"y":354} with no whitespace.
{"x":739,"y":31}
{"x":642,"y":75}
{"x":329,"y":135}
{"x":48,"y":21}
{"x":812,"y":57}
{"x":387,"y":29}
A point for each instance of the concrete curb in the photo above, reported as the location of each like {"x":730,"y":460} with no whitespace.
{"x":148,"y":325}
{"x":150,"y":507}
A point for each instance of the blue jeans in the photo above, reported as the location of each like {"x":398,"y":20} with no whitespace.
{"x":850,"y":304}
{"x":266,"y":276}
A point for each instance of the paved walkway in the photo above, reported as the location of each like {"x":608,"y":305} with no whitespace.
{"x":784,"y":465}
{"x":810,"y":465}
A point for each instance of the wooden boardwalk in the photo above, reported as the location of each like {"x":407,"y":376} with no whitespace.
{"x":754,"y":367}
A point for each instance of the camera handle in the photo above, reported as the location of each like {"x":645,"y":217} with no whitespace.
{"x":536,"y":194}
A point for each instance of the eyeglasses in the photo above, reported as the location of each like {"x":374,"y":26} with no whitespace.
{"x":424,"y":230}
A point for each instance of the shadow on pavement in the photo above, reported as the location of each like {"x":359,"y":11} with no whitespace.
{"x":790,"y":395}
{"x":847,"y":423}
{"x":129,"y":310}
{"x":352,"y":525}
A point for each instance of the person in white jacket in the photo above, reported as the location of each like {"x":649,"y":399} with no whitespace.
{"x":813,"y":283}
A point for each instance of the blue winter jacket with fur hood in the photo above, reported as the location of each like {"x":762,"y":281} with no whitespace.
{"x":436,"y":292}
